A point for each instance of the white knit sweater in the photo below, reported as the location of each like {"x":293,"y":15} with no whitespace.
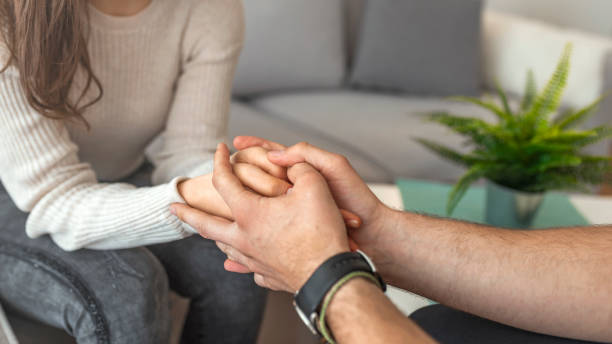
{"x":166,"y":74}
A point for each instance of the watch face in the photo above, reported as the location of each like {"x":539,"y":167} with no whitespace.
{"x":305,"y":319}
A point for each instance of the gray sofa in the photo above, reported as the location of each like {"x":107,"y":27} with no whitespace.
{"x":311,"y":100}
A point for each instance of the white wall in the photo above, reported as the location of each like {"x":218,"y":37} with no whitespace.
{"x":590,"y":15}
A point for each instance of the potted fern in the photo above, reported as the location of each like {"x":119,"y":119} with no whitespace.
{"x":528,"y":151}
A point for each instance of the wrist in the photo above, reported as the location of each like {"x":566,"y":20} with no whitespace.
{"x":313,"y":298}
{"x":393,"y":240}
{"x":345,"y":299}
{"x":310,"y":265}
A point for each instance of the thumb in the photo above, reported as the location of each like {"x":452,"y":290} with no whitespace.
{"x":332,"y":166}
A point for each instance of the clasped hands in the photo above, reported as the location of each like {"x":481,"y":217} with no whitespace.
{"x":278,"y":213}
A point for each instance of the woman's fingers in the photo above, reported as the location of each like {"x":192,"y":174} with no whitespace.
{"x":259,"y":181}
{"x":270,"y":283}
{"x":232,"y":266}
{"x":350,"y":219}
{"x":243,"y":142}
{"x":209,"y":226}
{"x":238,"y":259}
{"x":258,"y":156}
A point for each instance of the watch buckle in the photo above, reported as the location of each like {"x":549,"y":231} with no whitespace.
{"x":309,"y":322}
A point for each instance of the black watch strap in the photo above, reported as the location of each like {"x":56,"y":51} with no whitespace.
{"x":310,"y":296}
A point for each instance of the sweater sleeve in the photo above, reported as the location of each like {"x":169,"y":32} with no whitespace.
{"x":198,"y":117}
{"x":41,"y":171}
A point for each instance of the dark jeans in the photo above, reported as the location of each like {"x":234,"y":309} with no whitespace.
{"x":450,"y":326}
{"x":121,"y":296}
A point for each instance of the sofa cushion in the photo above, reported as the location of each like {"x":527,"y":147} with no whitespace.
{"x":374,"y":131}
{"x":246,"y":119}
{"x":291,"y":44}
{"x":426,"y":47}
{"x":513,"y":44}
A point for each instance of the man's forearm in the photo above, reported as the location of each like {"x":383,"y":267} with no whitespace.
{"x":361,"y":313}
{"x":552,"y":281}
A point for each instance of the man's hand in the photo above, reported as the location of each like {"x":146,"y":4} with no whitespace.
{"x":282,"y":239}
{"x":348,"y":189}
{"x":252,"y":168}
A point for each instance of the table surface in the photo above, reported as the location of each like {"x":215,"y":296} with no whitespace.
{"x":596,"y":209}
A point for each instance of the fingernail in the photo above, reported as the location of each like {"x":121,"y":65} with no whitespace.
{"x":276,"y":153}
{"x":289,"y":190}
{"x":172,"y":210}
{"x":354,"y":223}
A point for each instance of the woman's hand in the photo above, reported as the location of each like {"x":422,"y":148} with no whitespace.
{"x":252,"y":168}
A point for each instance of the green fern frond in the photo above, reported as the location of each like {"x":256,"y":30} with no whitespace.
{"x":550,"y":98}
{"x":445,"y":152}
{"x":530,"y":91}
{"x":504,"y":99}
{"x":550,"y":161}
{"x":455,"y":195}
{"x":462,"y":125}
{"x":601,"y":133}
{"x":567,"y":137}
{"x":572,"y":120}
{"x":484,"y":104}
{"x":595,"y":159}
{"x":533,"y":148}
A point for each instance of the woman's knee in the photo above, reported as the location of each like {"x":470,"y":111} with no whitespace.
{"x":135,"y":299}
{"x":96,"y":296}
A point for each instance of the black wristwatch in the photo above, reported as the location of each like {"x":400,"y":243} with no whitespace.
{"x":307,"y":301}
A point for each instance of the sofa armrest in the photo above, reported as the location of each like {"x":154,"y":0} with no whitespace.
{"x":512,"y":44}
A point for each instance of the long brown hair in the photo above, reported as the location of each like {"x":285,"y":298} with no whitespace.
{"x":47,"y":43}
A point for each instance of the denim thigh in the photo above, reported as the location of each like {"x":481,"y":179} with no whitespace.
{"x":118,"y":296}
{"x":226,"y":307}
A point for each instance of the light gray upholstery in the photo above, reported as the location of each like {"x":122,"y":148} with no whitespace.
{"x":419,"y":47}
{"x":588,"y":15}
{"x":374,"y":131}
{"x":248,"y":120}
{"x":291,"y":44}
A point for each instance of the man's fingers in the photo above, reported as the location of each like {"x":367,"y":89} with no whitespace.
{"x":243,"y":142}
{"x":209,"y":226}
{"x":322,"y":160}
{"x":259,"y":181}
{"x":227,"y":184}
{"x":232,"y":266}
{"x":258,"y":156}
{"x":301,"y":171}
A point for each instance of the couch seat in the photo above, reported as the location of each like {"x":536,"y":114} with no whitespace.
{"x":375,"y":131}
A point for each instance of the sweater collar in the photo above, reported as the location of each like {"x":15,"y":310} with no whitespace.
{"x":127,"y":23}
